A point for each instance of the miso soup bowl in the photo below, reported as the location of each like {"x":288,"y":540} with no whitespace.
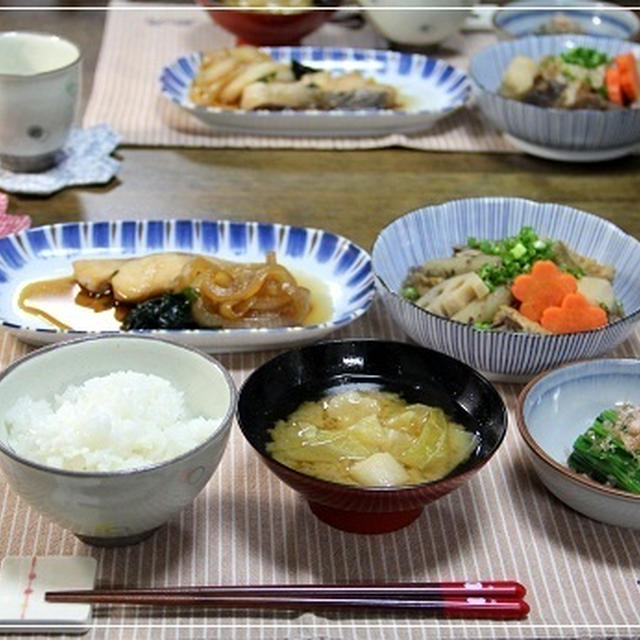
{"x":274,"y":390}
{"x":275,"y":26}
{"x":117,"y":507}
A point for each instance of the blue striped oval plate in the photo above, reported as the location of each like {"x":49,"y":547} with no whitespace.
{"x":567,"y":129}
{"x":47,"y":252}
{"x":431,"y":88}
{"x":432,"y":232}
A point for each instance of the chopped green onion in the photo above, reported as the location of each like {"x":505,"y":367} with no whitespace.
{"x":410,"y":293}
{"x":584,"y":57}
{"x":190,"y":294}
{"x":517,"y":254}
{"x":518,"y":251}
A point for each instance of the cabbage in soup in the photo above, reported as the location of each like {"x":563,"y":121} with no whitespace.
{"x":370,"y":438}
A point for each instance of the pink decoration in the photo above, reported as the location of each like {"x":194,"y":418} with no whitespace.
{"x":11,"y":223}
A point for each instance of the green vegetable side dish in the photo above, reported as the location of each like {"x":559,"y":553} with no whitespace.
{"x":609,"y":451}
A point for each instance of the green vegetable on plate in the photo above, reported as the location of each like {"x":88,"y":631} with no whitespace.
{"x":168,"y":311}
{"x":601,"y":453}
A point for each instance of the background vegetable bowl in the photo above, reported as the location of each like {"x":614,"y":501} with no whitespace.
{"x":431,"y":232}
{"x":566,"y":129}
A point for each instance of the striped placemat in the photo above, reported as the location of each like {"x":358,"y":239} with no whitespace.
{"x":248,"y":527}
{"x":140,"y":40}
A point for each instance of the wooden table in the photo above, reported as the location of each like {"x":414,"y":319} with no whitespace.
{"x":354,"y":193}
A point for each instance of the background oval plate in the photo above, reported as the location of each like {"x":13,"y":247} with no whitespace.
{"x":47,"y":252}
{"x":432,"y":89}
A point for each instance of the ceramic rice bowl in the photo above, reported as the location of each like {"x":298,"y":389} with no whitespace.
{"x":117,"y":507}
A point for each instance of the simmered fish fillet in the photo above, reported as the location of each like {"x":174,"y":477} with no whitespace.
{"x":296,"y":95}
{"x":153,"y":275}
{"x":250,"y":79}
{"x":95,"y":275}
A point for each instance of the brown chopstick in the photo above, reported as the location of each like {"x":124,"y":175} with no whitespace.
{"x":489,"y":589}
{"x":440,"y":599}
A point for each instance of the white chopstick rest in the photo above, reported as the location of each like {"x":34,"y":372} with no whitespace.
{"x":23,"y":582}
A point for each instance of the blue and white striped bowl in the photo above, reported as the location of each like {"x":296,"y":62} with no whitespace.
{"x":603,"y":19}
{"x":430,"y":88}
{"x":47,"y":252}
{"x":432,"y":232}
{"x":568,"y":129}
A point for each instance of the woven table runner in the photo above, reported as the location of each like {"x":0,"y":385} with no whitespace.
{"x":248,"y":527}
{"x":139,"y":41}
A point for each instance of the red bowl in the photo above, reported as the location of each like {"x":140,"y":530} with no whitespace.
{"x":278,"y":387}
{"x":260,"y":28}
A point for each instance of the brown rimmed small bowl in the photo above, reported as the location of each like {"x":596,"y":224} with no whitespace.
{"x":277,"y":388}
{"x":559,"y":405}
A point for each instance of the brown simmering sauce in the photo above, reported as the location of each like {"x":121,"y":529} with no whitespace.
{"x":66,"y":305}
{"x":63,"y":303}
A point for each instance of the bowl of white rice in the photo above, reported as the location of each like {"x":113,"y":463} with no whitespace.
{"x":111,"y":436}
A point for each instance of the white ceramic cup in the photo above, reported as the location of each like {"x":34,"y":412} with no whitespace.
{"x":425,"y":24}
{"x":39,"y":89}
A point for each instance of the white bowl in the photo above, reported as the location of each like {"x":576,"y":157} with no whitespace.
{"x":424,"y":24}
{"x":431,"y":232}
{"x":558,"y":406}
{"x":119,"y":507}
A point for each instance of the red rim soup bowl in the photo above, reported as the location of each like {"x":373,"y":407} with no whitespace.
{"x":262,"y":27}
{"x":277,"y":388}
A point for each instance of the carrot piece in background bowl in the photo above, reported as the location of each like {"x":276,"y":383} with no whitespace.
{"x":573,"y":315}
{"x":629,"y":79}
{"x":612,"y":84}
{"x":545,"y":286}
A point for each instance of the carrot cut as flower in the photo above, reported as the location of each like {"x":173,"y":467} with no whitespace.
{"x":574,"y":314}
{"x":612,"y":83}
{"x":629,"y":79}
{"x":545,"y":286}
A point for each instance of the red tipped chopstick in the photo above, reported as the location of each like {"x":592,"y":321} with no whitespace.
{"x":496,"y":600}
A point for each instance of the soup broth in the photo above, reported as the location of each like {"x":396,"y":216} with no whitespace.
{"x":370,"y":438}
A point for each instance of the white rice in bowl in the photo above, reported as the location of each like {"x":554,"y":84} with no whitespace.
{"x":124,"y":420}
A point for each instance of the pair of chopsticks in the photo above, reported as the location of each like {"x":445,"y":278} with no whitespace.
{"x":498,"y":600}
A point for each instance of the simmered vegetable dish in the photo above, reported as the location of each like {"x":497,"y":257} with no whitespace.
{"x":521,"y":283}
{"x":581,"y":78}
